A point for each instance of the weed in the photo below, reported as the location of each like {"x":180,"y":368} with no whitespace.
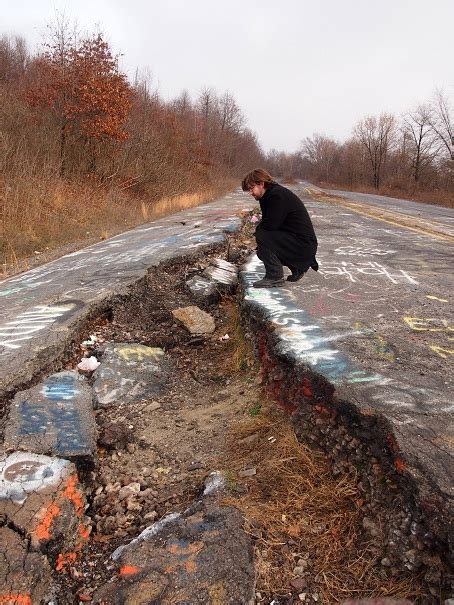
{"x":231,"y":482}
{"x":242,"y":356}
{"x":295,"y":507}
{"x":255,"y":409}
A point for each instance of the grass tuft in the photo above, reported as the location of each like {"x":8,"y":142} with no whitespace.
{"x":295,"y":508}
{"x":254,"y":410}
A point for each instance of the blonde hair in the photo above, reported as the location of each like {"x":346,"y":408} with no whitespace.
{"x":257,"y":176}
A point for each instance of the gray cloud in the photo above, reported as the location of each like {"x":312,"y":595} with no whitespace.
{"x":295,"y":67}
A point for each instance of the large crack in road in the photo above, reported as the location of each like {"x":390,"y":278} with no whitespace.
{"x":316,"y":533}
{"x":321,"y":514}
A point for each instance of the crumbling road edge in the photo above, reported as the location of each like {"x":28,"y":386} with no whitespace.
{"x":414,"y":519}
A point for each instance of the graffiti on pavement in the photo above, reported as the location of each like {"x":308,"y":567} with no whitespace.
{"x":22,"y":473}
{"x":61,"y":417}
{"x":355,"y":271}
{"x":380,"y":346}
{"x":430,"y":325}
{"x":137,"y":352}
{"x":302,"y":337}
{"x":362,"y":251}
{"x":26,"y":325}
{"x":60,"y":388}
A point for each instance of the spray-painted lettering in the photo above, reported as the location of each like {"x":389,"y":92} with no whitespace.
{"x":25,"y":326}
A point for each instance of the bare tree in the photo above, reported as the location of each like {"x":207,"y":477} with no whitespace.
{"x":207,"y":103}
{"x":230,"y":114}
{"x":182,"y":104}
{"x":143,"y":80}
{"x":350,"y":168}
{"x":14,"y":58}
{"x":322,"y":152}
{"x":376,"y":136}
{"x":442,"y":121}
{"x":284,"y":165}
{"x":420,"y":142}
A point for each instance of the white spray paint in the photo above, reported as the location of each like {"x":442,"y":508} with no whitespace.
{"x":22,"y":473}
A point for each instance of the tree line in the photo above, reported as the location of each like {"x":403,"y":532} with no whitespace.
{"x":410,"y":154}
{"x":69,"y":112}
{"x":414,"y":152}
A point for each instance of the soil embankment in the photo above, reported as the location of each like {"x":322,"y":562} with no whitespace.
{"x":324,"y":510}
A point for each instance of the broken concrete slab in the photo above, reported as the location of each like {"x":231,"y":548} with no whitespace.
{"x":129,"y":372}
{"x":195,"y":320}
{"x":25,"y":577}
{"x":41,"y":497}
{"x":219,"y":277}
{"x":202,"y":556}
{"x":225,"y":265}
{"x":203,"y":289}
{"x":55,"y":417}
{"x":214,"y":483}
{"x":222,"y":272}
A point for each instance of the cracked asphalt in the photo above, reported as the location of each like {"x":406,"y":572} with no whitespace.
{"x":375,"y":322}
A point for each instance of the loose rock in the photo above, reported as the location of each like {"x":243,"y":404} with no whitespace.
{"x":195,"y":320}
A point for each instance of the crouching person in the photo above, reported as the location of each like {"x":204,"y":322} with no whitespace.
{"x":285,"y":236}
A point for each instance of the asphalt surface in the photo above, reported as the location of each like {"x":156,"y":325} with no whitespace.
{"x":443,"y":216}
{"x":42,"y":308}
{"x":436,"y":220}
{"x":375,"y":321}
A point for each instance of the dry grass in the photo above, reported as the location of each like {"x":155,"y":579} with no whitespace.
{"x":294,"y":507}
{"x":43,"y":214}
{"x":169,"y":205}
{"x":239,"y":351}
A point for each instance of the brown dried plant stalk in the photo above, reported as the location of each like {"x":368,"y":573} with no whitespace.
{"x":294,"y":507}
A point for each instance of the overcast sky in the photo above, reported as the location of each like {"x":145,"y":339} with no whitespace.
{"x":295,"y":67}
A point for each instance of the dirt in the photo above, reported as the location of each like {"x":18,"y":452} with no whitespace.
{"x":154,"y":455}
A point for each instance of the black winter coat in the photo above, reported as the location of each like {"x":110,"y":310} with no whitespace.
{"x":286,"y":228}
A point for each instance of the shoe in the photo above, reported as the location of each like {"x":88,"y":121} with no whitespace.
{"x":265,"y":282}
{"x":314,"y":265}
{"x":295,"y":276}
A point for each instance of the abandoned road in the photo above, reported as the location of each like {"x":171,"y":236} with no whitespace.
{"x":378,"y":315}
{"x":419,"y":217}
{"x":377,"y":322}
{"x":365,"y":343}
{"x":444,"y":217}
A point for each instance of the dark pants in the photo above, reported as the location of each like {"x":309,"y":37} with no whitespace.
{"x":278,"y":249}
{"x":273,"y":266}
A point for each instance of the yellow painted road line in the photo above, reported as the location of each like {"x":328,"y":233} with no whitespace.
{"x":387,"y":216}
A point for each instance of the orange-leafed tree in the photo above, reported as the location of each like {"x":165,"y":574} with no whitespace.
{"x":81,"y":85}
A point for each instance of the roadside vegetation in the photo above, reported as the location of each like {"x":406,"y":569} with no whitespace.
{"x":411,"y":156}
{"x":306,"y":523}
{"x":85,"y":153}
